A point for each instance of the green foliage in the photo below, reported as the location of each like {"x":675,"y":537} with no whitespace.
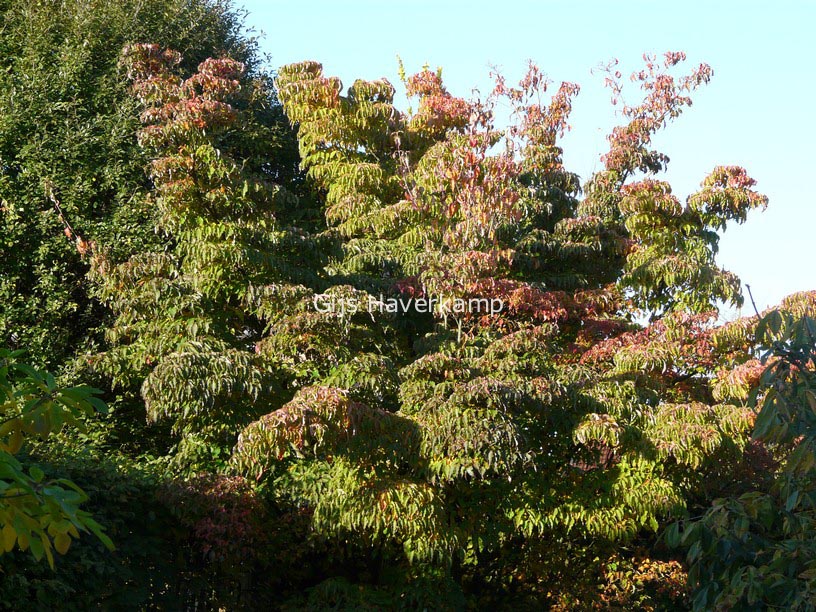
{"x":674,"y":265}
{"x":69,"y":159}
{"x":757,"y":550}
{"x":123,"y":497}
{"x":37,"y":513}
{"x":186,"y":314}
{"x":418,"y":594}
{"x":553,"y":418}
{"x":310,"y":437}
{"x":162,"y":529}
{"x":569,"y":574}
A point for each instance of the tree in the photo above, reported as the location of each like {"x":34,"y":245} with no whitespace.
{"x":757,"y":550}
{"x":555,"y":420}
{"x":69,"y":160}
{"x":193,"y":319}
{"x":36,"y":513}
{"x":442,"y":446}
{"x":188,"y":313}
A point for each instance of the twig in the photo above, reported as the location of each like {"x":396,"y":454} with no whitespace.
{"x":81,"y":244}
{"x":751,"y":295}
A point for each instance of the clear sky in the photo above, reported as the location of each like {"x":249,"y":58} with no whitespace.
{"x":757,"y":112}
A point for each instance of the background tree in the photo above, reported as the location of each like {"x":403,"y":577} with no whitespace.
{"x":68,"y":141}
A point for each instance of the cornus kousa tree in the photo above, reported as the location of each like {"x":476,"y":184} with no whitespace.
{"x":187,"y":315}
{"x":557,"y":419}
{"x":431,"y":440}
{"x":194,"y":319}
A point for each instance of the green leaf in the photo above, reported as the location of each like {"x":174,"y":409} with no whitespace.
{"x":9,"y":535}
{"x":36,"y":473}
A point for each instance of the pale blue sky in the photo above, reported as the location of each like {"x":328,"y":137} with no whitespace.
{"x":756,"y":112}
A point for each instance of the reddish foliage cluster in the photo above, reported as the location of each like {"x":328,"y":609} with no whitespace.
{"x":313,"y":413}
{"x":729,"y":176}
{"x":225,"y":514}
{"x":410,"y":286}
{"x":457,"y":271}
{"x":225,"y":70}
{"x":544,"y":125}
{"x":689,"y":335}
{"x":727,"y":192}
{"x":146,"y":60}
{"x":738,"y":381}
{"x":599,"y":302}
{"x":174,"y":105}
{"x":424,"y":83}
{"x":523,"y":300}
{"x":534,"y":80}
{"x":437,"y":108}
{"x":474,"y":277}
{"x":481,"y":188}
{"x":632,"y":577}
{"x":596,"y":309}
{"x":539,"y":127}
{"x":664,"y":100}
{"x":558,"y":111}
{"x":444,"y":111}
{"x":674,"y":57}
{"x":595,"y":330}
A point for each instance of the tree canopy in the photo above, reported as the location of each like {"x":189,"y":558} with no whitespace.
{"x":356,"y":356}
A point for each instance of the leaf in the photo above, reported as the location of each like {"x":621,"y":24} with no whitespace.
{"x":15,"y":441}
{"x":36,"y":473}
{"x":673,"y":535}
{"x":765,"y":421}
{"x":811,"y":399}
{"x":62,"y":541}
{"x":9,"y":536}
{"x":100,"y":406}
{"x":47,"y":547}
{"x":37,"y":548}
{"x":96,"y":529}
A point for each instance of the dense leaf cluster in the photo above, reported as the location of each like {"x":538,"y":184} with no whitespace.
{"x":283,"y":431}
